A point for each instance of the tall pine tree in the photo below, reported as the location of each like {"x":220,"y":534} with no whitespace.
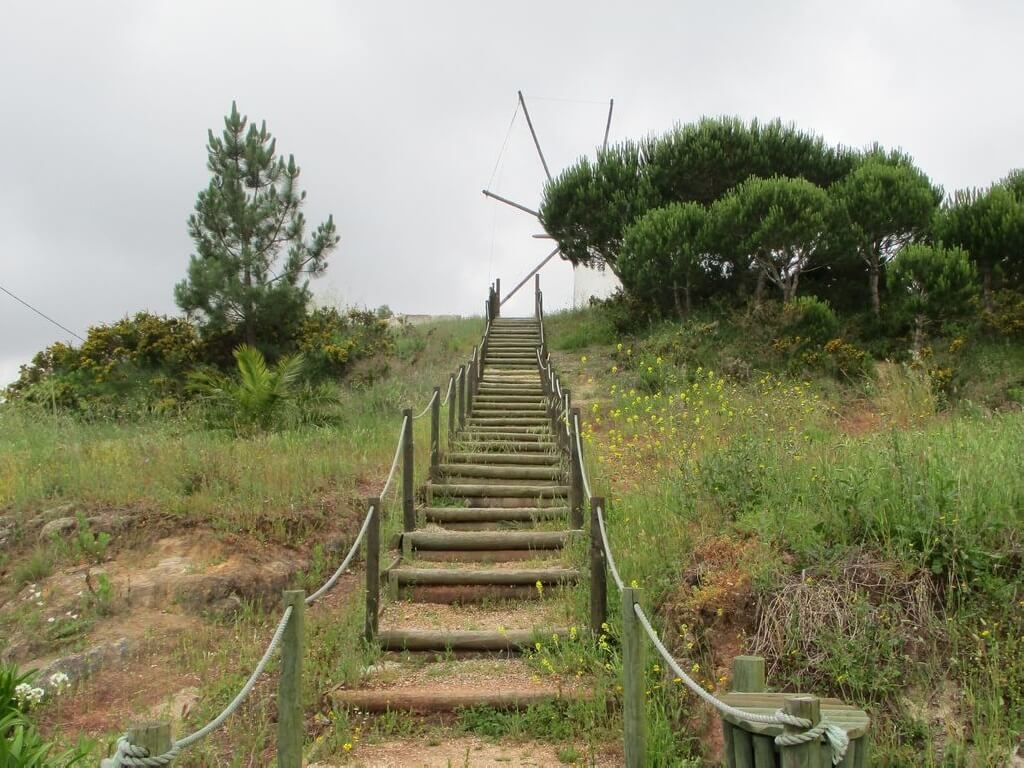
{"x":248,"y":280}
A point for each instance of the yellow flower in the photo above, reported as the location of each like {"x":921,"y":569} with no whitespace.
{"x":347,"y":746}
{"x":583,"y":359}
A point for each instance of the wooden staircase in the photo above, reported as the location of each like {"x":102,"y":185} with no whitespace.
{"x":493,"y":532}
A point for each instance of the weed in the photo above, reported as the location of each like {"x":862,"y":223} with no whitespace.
{"x":36,"y":567}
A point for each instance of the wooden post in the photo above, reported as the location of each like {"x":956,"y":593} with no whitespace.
{"x":808,"y":754}
{"x":575,"y":476}
{"x":289,"y":688}
{"x":435,"y":432}
{"x":471,"y":383}
{"x":408,"y":456}
{"x":154,"y":736}
{"x":451,"y":409}
{"x":372,"y":570}
{"x":536,"y":297}
{"x":633,"y":704}
{"x":567,"y":410}
{"x":462,"y":396}
{"x":748,"y":674}
{"x":497,"y":297}
{"x":598,"y":570}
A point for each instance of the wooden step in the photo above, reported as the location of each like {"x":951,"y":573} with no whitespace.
{"x":501,"y":472}
{"x":499,"y":459}
{"x":508,"y":490}
{"x":488,"y":540}
{"x":504,"y":435}
{"x":507,"y":577}
{"x":419,"y":640}
{"x":504,"y":421}
{"x":511,"y":447}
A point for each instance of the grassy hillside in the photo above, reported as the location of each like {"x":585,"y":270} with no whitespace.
{"x":861,"y":531}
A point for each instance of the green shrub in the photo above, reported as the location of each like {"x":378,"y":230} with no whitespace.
{"x":810,"y":318}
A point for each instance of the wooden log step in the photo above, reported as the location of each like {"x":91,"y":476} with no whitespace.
{"x":512,"y":410}
{"x":485,"y":555}
{"x":488,"y":540}
{"x":502,"y":472}
{"x":508,"y":421}
{"x":507,"y":577}
{"x":420,"y":640}
{"x":534,"y":490}
{"x":511,"y":447}
{"x":505,"y":434}
{"x":493,"y":514}
{"x":507,"y":458}
{"x":509,"y":400}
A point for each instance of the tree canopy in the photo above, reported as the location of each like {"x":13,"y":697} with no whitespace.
{"x":248,"y":280}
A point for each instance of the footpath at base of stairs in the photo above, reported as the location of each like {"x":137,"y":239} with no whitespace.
{"x":480,"y":578}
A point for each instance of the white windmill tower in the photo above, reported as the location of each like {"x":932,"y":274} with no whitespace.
{"x":587,"y":282}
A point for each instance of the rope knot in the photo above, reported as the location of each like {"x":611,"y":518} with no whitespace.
{"x":836,"y":736}
{"x":129,"y":754}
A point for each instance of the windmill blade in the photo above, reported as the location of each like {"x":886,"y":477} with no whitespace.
{"x":533,"y":272}
{"x":506,"y":201}
{"x":533,"y":133}
{"x":608,"y":125}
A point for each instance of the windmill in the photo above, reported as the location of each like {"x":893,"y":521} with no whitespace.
{"x":582,"y":276}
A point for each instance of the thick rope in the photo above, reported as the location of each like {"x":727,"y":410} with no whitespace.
{"x":128,"y":754}
{"x":579,"y":452}
{"x":394,"y":462}
{"x":423,"y":413}
{"x":836,"y":737}
{"x":344,"y":563}
{"x":451,"y":388}
{"x":608,"y":551}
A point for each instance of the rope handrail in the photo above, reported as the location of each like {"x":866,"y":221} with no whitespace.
{"x":424,"y":412}
{"x":128,"y":754}
{"x":579,"y":452}
{"x":835,"y":735}
{"x":451,"y":388}
{"x":609,"y":558}
{"x":394,"y":462}
{"x":327,"y":585}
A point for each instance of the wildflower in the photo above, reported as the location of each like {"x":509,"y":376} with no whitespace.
{"x":615,"y":369}
{"x":347,"y":746}
{"x":583,"y":359}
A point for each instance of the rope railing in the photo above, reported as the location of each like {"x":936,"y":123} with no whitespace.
{"x":128,"y":753}
{"x":809,"y":731}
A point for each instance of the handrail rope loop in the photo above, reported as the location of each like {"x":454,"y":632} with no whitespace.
{"x":344,"y":563}
{"x":423,"y":413}
{"x":451,"y":388}
{"x":579,"y":451}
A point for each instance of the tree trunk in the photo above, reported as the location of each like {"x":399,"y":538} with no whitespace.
{"x":918,"y":342}
{"x":759,"y":287}
{"x":789,"y":288}
{"x":876,"y":305}
{"x":249,"y":322}
{"x":689,"y":304}
{"x":986,"y":286}
{"x":675,"y":300}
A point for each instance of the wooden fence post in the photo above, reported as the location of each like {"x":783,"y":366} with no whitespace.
{"x":567,"y":416}
{"x":408,"y":456}
{"x":462,"y":396}
{"x":371,"y":622}
{"x":808,"y":754}
{"x":451,"y":408}
{"x":471,"y":382}
{"x":633,"y":704}
{"x":598,"y":571}
{"x":289,"y":689}
{"x":575,"y":473}
{"x":742,"y":748}
{"x":154,"y":736}
{"x":435,"y":432}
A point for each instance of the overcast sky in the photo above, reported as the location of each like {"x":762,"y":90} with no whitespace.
{"x":396,"y":113}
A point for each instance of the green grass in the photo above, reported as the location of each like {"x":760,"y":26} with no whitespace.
{"x":865,"y":537}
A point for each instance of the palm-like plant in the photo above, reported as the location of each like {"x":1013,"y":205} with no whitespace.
{"x":257,"y":397}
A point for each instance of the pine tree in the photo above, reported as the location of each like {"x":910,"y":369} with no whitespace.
{"x":248,"y":279}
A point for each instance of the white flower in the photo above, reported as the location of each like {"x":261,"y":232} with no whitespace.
{"x":59,"y":682}
{"x":51,"y":619}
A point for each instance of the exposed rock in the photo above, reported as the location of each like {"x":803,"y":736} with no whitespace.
{"x":57,"y":527}
{"x":178,"y":707}
{"x":110,"y":523}
{"x":78,"y":666}
{"x":64,"y":510}
{"x":239,"y":577}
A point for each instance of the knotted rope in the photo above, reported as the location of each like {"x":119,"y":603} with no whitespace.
{"x":836,"y":737}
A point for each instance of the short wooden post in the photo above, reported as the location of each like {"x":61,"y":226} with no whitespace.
{"x":462,"y":396}
{"x":371,"y":622}
{"x":808,"y":754}
{"x":435,"y":432}
{"x":633,"y":705}
{"x":408,"y":457}
{"x":451,"y":407}
{"x":598,"y":570}
{"x":154,"y":736}
{"x":471,"y":383}
{"x":575,"y":475}
{"x":567,"y":410}
{"x":289,"y":688}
